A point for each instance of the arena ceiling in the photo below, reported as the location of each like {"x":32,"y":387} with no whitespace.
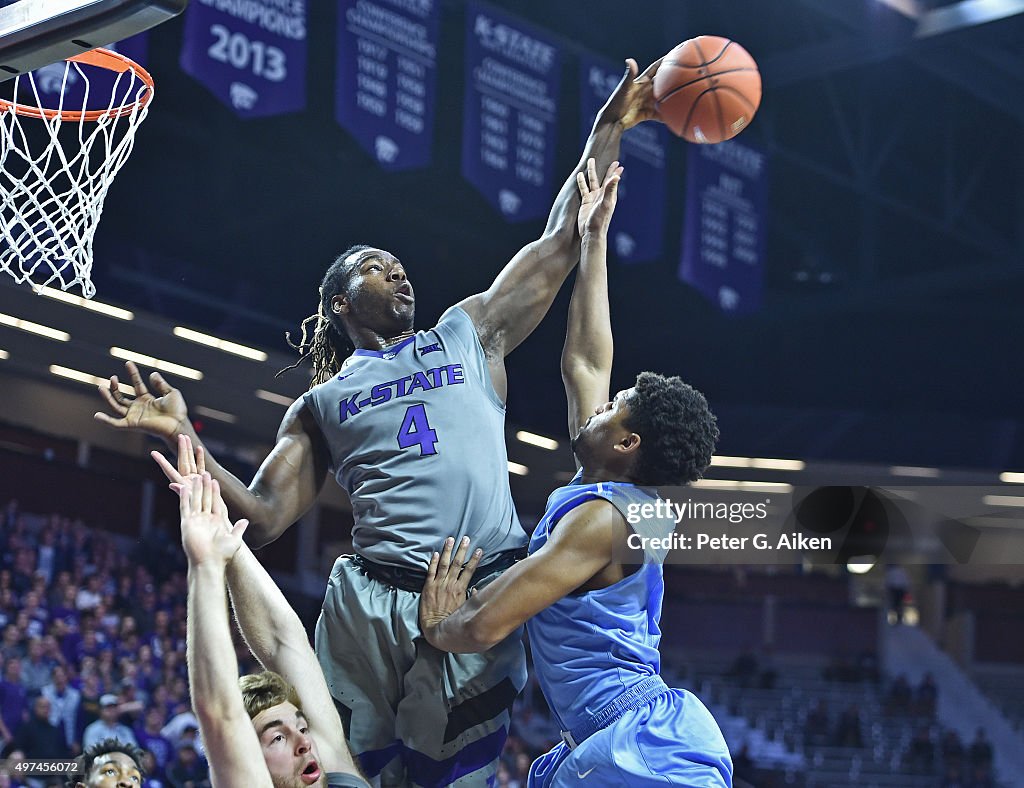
{"x":895,"y":257}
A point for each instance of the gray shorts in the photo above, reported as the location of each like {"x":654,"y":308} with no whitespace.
{"x":413,"y":715}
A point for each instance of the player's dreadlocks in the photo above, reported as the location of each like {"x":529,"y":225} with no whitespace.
{"x":323,"y":340}
{"x":105,"y":747}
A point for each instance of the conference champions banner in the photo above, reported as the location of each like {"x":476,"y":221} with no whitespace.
{"x":251,"y":54}
{"x":387,"y":76}
{"x":513,"y":74}
{"x":724,"y":233}
{"x":637,"y":231}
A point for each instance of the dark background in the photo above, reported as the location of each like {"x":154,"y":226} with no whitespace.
{"x":896,"y":225}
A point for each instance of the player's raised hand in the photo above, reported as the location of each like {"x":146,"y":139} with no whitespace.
{"x":191,"y":462}
{"x":597,"y":198}
{"x":162,"y":416}
{"x":448,"y":581}
{"x":206,"y":532}
{"x":632,"y":101}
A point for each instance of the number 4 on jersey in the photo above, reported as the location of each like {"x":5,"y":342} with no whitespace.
{"x":415,"y":431}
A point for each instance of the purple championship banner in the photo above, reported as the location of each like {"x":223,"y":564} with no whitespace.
{"x":251,"y":55}
{"x":50,"y":79}
{"x":637,"y":232}
{"x":512,"y":78}
{"x":387,"y":76}
{"x":724,"y":233}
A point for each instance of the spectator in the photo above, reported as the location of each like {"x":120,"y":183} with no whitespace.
{"x":900,"y":695}
{"x":35,"y":668}
{"x":897,"y":584}
{"x":952,"y":750}
{"x":107,"y":726}
{"x":744,"y":668}
{"x":921,"y":754}
{"x":153,"y":741}
{"x":37,"y":737}
{"x":89,"y":703}
{"x":927,"y":694}
{"x":980,"y":751}
{"x":187,"y":770}
{"x":848,"y":730}
{"x":13,"y":646}
{"x":91,"y":596}
{"x":64,"y":700}
{"x":816,"y":725}
{"x":13,"y":698}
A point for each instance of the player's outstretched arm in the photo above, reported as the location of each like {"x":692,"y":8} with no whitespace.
{"x":284,"y":487}
{"x":210,"y":541}
{"x":587,"y":353}
{"x":510,"y":309}
{"x":579,"y":548}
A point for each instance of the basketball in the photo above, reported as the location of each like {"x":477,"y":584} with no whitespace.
{"x":707,"y":89}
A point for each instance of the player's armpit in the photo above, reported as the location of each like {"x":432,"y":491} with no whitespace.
{"x":579,"y":548}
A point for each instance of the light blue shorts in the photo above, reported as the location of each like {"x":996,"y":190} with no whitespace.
{"x":673,"y":740}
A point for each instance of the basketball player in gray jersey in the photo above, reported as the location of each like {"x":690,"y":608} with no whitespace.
{"x":411,"y":424}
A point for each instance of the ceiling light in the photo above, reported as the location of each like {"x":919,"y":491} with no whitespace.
{"x":85,"y":377}
{"x":517,"y":469}
{"x":156,"y":363}
{"x":34,"y":328}
{"x":221,"y":344}
{"x":217,"y":415}
{"x":536,"y":440}
{"x":1011,"y":478}
{"x":277,"y":399}
{"x":85,"y":303}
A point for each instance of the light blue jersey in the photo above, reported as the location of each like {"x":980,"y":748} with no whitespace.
{"x":416,"y":435}
{"x":590,"y":649}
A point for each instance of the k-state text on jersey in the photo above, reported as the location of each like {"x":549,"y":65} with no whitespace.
{"x":448,"y":375}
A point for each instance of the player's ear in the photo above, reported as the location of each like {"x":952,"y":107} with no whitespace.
{"x":629,"y":445}
{"x":340,"y":304}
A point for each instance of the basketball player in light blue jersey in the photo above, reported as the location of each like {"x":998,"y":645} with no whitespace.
{"x":411,"y":425}
{"x":594,"y":621}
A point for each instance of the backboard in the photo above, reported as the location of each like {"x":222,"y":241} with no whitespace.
{"x":35,"y":33}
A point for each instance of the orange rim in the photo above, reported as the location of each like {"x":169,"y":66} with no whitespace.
{"x":101,"y":58}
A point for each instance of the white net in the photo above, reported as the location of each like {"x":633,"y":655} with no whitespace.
{"x":58,"y":158}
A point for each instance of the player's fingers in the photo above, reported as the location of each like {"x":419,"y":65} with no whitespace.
{"x":186,"y":464}
{"x":592,"y":174}
{"x":446,"y":557}
{"x":175,"y":487}
{"x":200,"y":459}
{"x":581,"y":182}
{"x":471,"y":565}
{"x":207,"y":492}
{"x":218,"y":502}
{"x":185,"y":499}
{"x":117,"y":424}
{"x":612,"y":168}
{"x":239,"y":529}
{"x":169,"y":470}
{"x":136,"y":379}
{"x":432,"y":569}
{"x":161,"y":386}
{"x":460,"y":554}
{"x":112,"y":397}
{"x":650,"y":71}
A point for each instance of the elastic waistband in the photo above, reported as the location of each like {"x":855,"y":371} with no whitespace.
{"x":639,"y":695}
{"x":413,"y":579}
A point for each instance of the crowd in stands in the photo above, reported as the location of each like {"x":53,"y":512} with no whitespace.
{"x":92,"y":646}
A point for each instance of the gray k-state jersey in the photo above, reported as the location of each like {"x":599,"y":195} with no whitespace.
{"x":416,"y":434}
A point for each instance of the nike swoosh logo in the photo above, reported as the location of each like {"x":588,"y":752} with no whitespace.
{"x":582,"y":775}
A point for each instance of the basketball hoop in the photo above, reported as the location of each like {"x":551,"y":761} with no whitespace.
{"x":56,"y":164}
